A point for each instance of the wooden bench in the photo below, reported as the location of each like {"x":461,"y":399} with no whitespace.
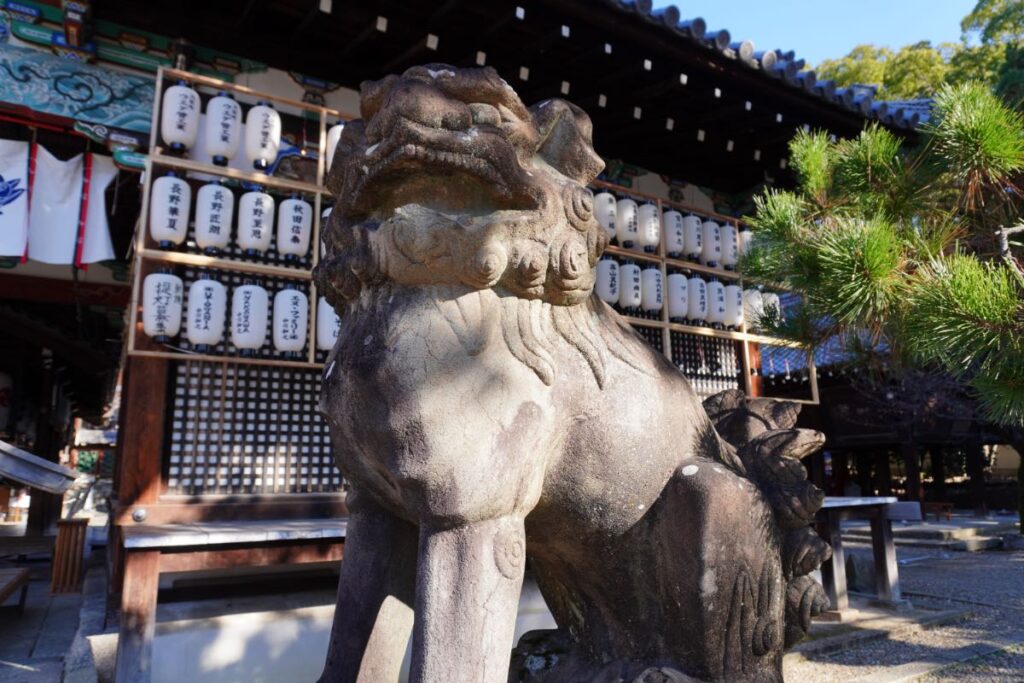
{"x":152,"y":549}
{"x":880,"y":511}
{"x":938,"y":509}
{"x":10,"y":581}
{"x":23,"y":546}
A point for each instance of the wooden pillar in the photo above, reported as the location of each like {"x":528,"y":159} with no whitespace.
{"x":938,"y":472}
{"x":912,"y":465}
{"x":753,"y":369}
{"x":887,"y":582}
{"x":45,"y":508}
{"x":864,"y":463}
{"x":140,"y":442}
{"x":883,"y":473}
{"x":138,"y":616}
{"x":833,"y":570}
{"x":976,"y":476}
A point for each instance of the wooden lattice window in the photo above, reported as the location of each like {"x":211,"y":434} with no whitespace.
{"x":247,"y":429}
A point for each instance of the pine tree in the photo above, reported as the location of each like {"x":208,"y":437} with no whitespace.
{"x":906,"y":254}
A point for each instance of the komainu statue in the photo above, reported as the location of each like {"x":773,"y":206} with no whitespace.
{"x":491,"y":413}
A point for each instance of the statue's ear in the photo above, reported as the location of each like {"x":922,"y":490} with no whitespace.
{"x":565,"y":139}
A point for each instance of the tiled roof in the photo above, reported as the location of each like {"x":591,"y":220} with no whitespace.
{"x":781,"y":65}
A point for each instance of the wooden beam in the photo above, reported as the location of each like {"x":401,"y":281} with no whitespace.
{"x":255,"y":556}
{"x":188,"y":509}
{"x":15,"y":287}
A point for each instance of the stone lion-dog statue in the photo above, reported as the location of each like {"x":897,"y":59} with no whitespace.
{"x":491,"y":413}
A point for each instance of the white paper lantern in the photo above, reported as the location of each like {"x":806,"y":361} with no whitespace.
{"x":255,"y":222}
{"x":215,"y":211}
{"x":323,"y":230}
{"x":333,"y":136}
{"x":170,"y":203}
{"x":262,"y":135}
{"x":328,"y":324}
{"x":716,"y":303}
{"x":630,"y":289}
{"x":294,"y":227}
{"x":753,"y":308}
{"x":207,"y":309}
{"x":291,"y":320}
{"x":711,"y":250}
{"x":746,"y":238}
{"x":730,"y":246}
{"x":223,"y":128}
{"x":678,"y":298}
{"x":649,"y":219}
{"x":652,"y":295}
{"x":675,"y":236}
{"x":161,"y":306}
{"x":250,"y":305}
{"x":626,"y":223}
{"x":6,"y":399}
{"x":608,"y":280}
{"x":693,"y":237}
{"x":733,"y":307}
{"x":179,"y":117}
{"x":697,"y":299}
{"x":604,"y":212}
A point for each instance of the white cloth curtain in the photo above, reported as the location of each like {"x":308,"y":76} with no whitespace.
{"x":54,"y":212}
{"x":13,"y":197}
{"x":97,"y":245}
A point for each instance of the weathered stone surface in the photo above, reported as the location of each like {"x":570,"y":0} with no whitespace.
{"x":488,"y":410}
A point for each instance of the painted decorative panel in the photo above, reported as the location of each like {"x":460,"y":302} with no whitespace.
{"x":59,"y":87}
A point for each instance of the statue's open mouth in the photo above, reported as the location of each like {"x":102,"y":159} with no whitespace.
{"x":472,"y":171}
{"x":427,"y":141}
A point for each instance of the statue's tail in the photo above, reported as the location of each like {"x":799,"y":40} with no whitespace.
{"x":769,"y":445}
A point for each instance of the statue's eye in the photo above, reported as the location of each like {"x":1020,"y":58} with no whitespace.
{"x":484,"y":114}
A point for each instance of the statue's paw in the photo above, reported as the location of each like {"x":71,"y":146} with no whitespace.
{"x":804,"y":551}
{"x":805,"y":598}
{"x":795,"y":505}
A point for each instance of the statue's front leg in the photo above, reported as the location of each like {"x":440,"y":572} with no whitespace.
{"x":467,"y":598}
{"x":373,"y":616}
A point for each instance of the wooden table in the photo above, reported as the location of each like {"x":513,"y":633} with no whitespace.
{"x":10,"y":581}
{"x":154,"y":548}
{"x":833,"y":572}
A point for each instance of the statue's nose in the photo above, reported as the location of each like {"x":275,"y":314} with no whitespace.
{"x":421,"y":103}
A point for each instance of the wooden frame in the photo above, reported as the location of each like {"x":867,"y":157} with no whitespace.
{"x":146,"y":256}
{"x":141,"y":491}
{"x":747,"y":341}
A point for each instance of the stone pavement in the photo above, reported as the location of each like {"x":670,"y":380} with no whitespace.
{"x":989,"y":584}
{"x":33,"y":645}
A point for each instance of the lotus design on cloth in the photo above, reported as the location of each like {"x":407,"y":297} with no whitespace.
{"x":9,"y":191}
{"x":492,"y":414}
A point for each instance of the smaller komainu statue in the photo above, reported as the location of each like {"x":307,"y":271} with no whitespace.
{"x":490,"y":412}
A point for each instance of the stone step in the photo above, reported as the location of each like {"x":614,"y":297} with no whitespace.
{"x":961,"y":545}
{"x":937,"y":533}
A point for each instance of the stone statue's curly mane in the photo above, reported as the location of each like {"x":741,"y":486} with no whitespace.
{"x":413,"y":178}
{"x":412,"y":187}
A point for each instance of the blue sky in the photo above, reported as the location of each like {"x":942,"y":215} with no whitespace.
{"x":821,"y":29}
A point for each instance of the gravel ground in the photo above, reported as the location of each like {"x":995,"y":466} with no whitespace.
{"x":990,"y":584}
{"x":1007,"y":665}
